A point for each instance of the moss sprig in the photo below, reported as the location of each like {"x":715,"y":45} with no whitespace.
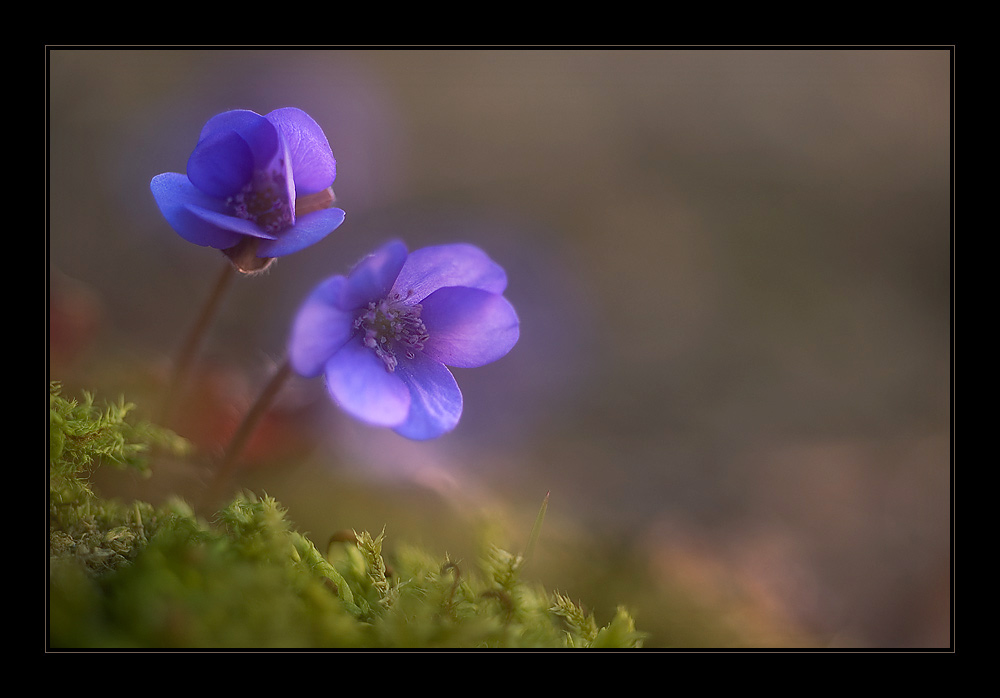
{"x":98,"y":533}
{"x":83,"y":435}
{"x":582,"y":628}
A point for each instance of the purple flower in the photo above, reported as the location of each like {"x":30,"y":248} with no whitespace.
{"x":385,"y":334}
{"x":257,"y":187}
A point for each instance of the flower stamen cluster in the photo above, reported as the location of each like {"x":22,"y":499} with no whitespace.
{"x":391,"y":324}
{"x":262,"y":201}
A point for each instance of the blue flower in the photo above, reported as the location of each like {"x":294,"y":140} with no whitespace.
{"x":257,"y":187}
{"x":385,"y":334}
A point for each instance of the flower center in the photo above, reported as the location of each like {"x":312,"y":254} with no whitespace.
{"x":264,"y":201}
{"x":391,"y":325}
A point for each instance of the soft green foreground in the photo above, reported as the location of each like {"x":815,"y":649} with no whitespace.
{"x":134,"y":575}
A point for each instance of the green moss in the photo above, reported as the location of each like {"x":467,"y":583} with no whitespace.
{"x":133,"y":575}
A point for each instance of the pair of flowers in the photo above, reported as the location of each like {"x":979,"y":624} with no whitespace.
{"x":260,"y":187}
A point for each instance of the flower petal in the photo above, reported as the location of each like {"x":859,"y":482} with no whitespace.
{"x":259,"y":133}
{"x":279,"y":170}
{"x":435,"y":398}
{"x":430,"y":268}
{"x":175,"y":195}
{"x":224,"y":221}
{"x":468,"y":327}
{"x":221,"y":164}
{"x":312,"y":159}
{"x":320,"y":328}
{"x":373,"y":276}
{"x":308,"y":229}
{"x":359,"y":382}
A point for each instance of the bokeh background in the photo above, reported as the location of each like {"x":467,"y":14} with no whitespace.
{"x":733,"y":273}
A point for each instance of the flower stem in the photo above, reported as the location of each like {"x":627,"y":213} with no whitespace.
{"x":246,"y":428}
{"x":185,"y":357}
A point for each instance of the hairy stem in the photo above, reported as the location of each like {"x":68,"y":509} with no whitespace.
{"x":182,"y":366}
{"x":246,"y":428}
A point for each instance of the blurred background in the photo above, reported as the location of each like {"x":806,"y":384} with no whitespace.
{"x":732,"y":269}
